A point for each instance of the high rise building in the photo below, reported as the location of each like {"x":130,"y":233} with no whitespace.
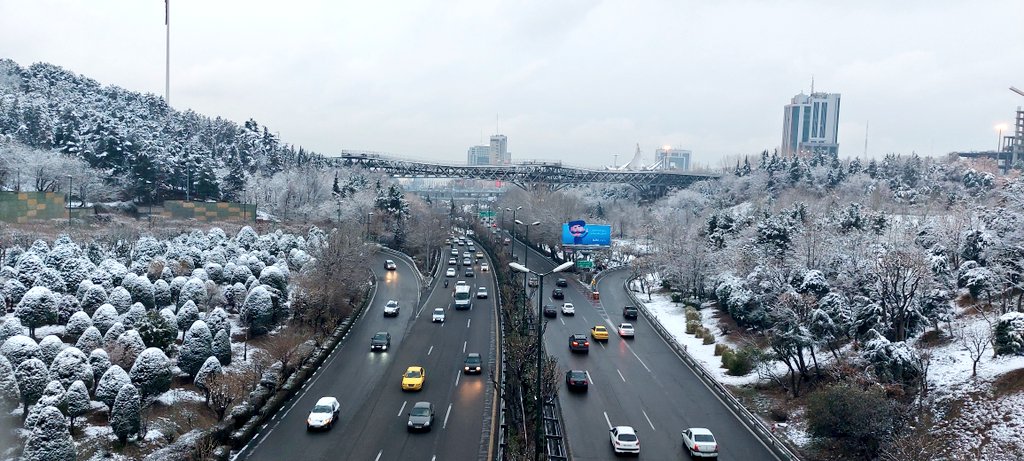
{"x":499,"y":150}
{"x":478,"y":155}
{"x":667,"y":158}
{"x":811,"y":124}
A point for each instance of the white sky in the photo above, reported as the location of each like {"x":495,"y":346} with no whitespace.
{"x":570,"y":80}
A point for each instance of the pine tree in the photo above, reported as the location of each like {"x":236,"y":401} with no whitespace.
{"x":110,"y":383}
{"x":78,"y":401}
{"x":125,"y":416}
{"x":32,"y":379}
{"x":195,"y":348}
{"x":71,"y":365}
{"x":159,"y":329}
{"x":222,"y":346}
{"x":50,"y":439}
{"x":257,"y":311}
{"x":152,"y":372}
{"x":210,"y":367}
{"x":9,"y":393}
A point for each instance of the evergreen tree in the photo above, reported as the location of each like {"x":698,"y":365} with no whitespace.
{"x":222,"y":346}
{"x":32,"y":379}
{"x":91,"y":339}
{"x":152,"y":373}
{"x":9,"y":393}
{"x":210,"y":367}
{"x":110,"y":384}
{"x":158,"y":329}
{"x":78,"y":401}
{"x":125,"y":416}
{"x":71,"y":365}
{"x":50,"y":439}
{"x":196,"y":347}
{"x":38,"y":307}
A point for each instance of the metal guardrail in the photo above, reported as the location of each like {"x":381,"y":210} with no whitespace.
{"x":752,"y":422}
{"x":554,"y":440}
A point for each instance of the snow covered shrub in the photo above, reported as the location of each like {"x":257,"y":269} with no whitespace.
{"x":100,"y":363}
{"x":210,"y":367}
{"x":78,"y":401}
{"x":196,"y":347}
{"x":234,"y":295}
{"x":214,"y":271}
{"x":240,"y":274}
{"x":217,"y":319}
{"x":13,"y":290}
{"x":12,"y":255}
{"x":272,"y":276}
{"x":84,"y":287}
{"x":110,"y":383}
{"x":120,"y":298}
{"x":49,"y":347}
{"x":110,"y":337}
{"x":140,"y":289}
{"x":50,"y":279}
{"x":29,"y":266}
{"x":194,"y":290}
{"x":214,"y":256}
{"x":54,"y":395}
{"x":246,"y":237}
{"x":126,"y":348}
{"x":102,"y":278}
{"x":738,"y":301}
{"x":158,"y":330}
{"x":37,"y":308}
{"x":162,"y":294}
{"x":222,"y":346}
{"x":1009,"y":334}
{"x":19,"y":348}
{"x":91,"y":339}
{"x":176,"y":285}
{"x":254,"y":264}
{"x":187,"y":315}
{"x":114,"y":269}
{"x":146,"y":249}
{"x":75,"y":271}
{"x":32,"y":379}
{"x":8,"y":272}
{"x":200,"y":273}
{"x":71,"y":365}
{"x":258,"y":311}
{"x":105,"y":317}
{"x":9,"y":394}
{"x":125,"y":416}
{"x":298,"y":258}
{"x":152,"y":372}
{"x":94,"y":297}
{"x":892,"y":362}
{"x":67,"y":306}
{"x":50,"y":439}
{"x":856,"y":417}
{"x":10,"y":327}
{"x":135,"y":315}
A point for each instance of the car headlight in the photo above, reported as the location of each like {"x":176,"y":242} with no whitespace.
{"x":465,"y":368}
{"x":410,"y":424}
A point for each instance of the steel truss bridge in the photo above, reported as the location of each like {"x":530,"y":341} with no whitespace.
{"x":526,"y":175}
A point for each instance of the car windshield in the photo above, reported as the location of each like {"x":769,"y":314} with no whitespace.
{"x":577,"y":375}
{"x":322,"y":409}
{"x":472,"y":359}
{"x":439,"y":311}
{"x":420,"y":411}
{"x":627,"y":437}
{"x":412,"y":374}
{"x":392,"y":303}
{"x":703,"y":438}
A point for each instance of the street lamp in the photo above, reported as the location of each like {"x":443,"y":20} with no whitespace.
{"x":526,"y":249}
{"x":512,"y":246}
{"x":540,"y":344}
{"x":70,"y":190}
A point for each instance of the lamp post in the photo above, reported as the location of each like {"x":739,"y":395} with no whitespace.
{"x":70,"y":190}
{"x":369,"y":216}
{"x":526,"y":250}
{"x":540,"y":345}
{"x":243,"y":205}
{"x":512,"y":244}
{"x":150,"y":183}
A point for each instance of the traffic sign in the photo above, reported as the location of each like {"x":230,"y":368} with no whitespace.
{"x":584,"y":264}
{"x":487,"y":214}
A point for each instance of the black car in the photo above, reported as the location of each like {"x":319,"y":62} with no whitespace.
{"x":549,"y":311}
{"x":557,"y":294}
{"x":561,"y":283}
{"x":381,"y":341}
{"x":579,"y":343}
{"x":629,"y":312}
{"x":576,"y":380}
{"x":469,"y":272}
{"x":472,"y":364}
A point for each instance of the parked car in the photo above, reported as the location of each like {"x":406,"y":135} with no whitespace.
{"x":324,"y":414}
{"x":568,"y":309}
{"x":391,"y":308}
{"x":576,"y":380}
{"x":549,"y":311}
{"x":599,"y":332}
{"x":700,"y":442}
{"x":626,"y":330}
{"x":472,"y":364}
{"x":421,"y":417}
{"x":557,"y":294}
{"x":630,"y":312}
{"x":413,"y":378}
{"x":579,"y":343}
{"x":381,"y":341}
{"x":438,"y":315}
{"x":481,"y":293}
{"x":624,"y":440}
{"x":390,"y":265}
{"x":561,"y":282}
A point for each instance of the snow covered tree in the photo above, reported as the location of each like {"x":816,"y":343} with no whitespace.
{"x":75,"y":271}
{"x":110,"y":383}
{"x":54,"y":395}
{"x":246,"y":237}
{"x":66,"y":307}
{"x":1009,"y":334}
{"x":135,"y":316}
{"x":115,"y":269}
{"x":29,"y":266}
{"x":214,"y":271}
{"x":187,"y":315}
{"x":121,"y":299}
{"x":152,"y":372}
{"x":32,"y":379}
{"x":94,"y":297}
{"x":254,"y":264}
{"x":159,"y":329}
{"x":196,"y":347}
{"x":217,"y":319}
{"x":272,"y":276}
{"x":100,"y":363}
{"x":141,"y":290}
{"x":49,"y":347}
{"x":90,"y":339}
{"x":147,"y":248}
{"x":125,"y":416}
{"x":258,"y":311}
{"x":110,"y":338}
{"x":240,"y":274}
{"x":892,"y":362}
{"x":105,"y":317}
{"x":19,"y":348}
{"x":210,"y":367}
{"x":13,"y":290}
{"x":175,"y":285}
{"x":37,"y":308}
{"x":222,"y":346}
{"x":234,"y":296}
{"x":9,"y":393}
{"x":898,"y":275}
{"x":50,"y":439}
{"x":162,"y":294}
{"x":71,"y":365}
{"x":127,"y":348}
{"x":78,"y":401}
{"x":50,"y":279}
{"x":194,"y":290}
{"x":10,"y":327}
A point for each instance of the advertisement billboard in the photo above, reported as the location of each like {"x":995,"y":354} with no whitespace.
{"x":580,"y":234}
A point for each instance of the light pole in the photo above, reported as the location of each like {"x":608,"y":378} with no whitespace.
{"x":512,"y":244}
{"x":999,"y":138}
{"x":540,"y":345}
{"x":526,"y":250}
{"x":369,"y":216}
{"x":243,"y":205}
{"x":70,"y":190}
{"x":150,"y":183}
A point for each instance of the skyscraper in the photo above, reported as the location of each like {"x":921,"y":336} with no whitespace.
{"x":478,"y":155}
{"x":811,"y":124}
{"x":667,"y":158}
{"x":499,"y":150}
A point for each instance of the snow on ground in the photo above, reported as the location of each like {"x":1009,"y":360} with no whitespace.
{"x":176,"y":395}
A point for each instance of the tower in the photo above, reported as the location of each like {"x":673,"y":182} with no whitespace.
{"x":811,"y":124}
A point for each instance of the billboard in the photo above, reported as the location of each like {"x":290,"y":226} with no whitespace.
{"x":579,"y":233}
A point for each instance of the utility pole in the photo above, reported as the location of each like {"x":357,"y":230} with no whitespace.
{"x":167,"y":80}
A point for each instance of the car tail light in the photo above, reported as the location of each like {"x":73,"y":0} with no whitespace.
{"x":574,"y":343}
{"x":716,"y":448}
{"x":695,"y":447}
{"x":587,"y":343}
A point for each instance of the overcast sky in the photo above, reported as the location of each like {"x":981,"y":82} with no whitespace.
{"x":571,"y":80}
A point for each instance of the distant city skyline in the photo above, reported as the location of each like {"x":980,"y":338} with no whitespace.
{"x":579,"y":82}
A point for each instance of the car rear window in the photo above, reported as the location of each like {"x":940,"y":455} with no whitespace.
{"x":627,"y":437}
{"x":703,"y":438}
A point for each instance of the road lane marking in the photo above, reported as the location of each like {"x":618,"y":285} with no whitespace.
{"x":620,"y":375}
{"x":446,"y":415}
{"x":638,"y":358}
{"x":648,"y":419}
{"x":457,"y":376}
{"x":378,"y":455}
{"x":584,"y":319}
{"x":560,"y":319}
{"x":464,"y":346}
{"x":430,"y":350}
{"x":401,"y":410}
{"x":468,"y":321}
{"x":607,"y":420}
{"x":589,"y":378}
{"x":601,"y":343}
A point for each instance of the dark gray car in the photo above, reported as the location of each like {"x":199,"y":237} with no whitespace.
{"x":421,"y":417}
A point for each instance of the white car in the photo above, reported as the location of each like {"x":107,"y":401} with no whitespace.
{"x":438,"y":315}
{"x":481,"y":293}
{"x":568,"y":309}
{"x":455,"y":252}
{"x":467,"y":262}
{"x":626,"y":330}
{"x":700,"y":442}
{"x":324,"y":414}
{"x":479,"y":255}
{"x":450,"y":272}
{"x":624,"y":440}
{"x":390,"y":265}
{"x":467,"y":255}
{"x":452,"y":261}
{"x":484,"y":267}
{"x":391,"y":308}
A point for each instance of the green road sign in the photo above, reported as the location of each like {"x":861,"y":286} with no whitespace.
{"x":584,"y":264}
{"x":487,"y":214}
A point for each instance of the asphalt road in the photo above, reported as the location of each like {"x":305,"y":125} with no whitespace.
{"x":636,"y":382}
{"x":374,"y":408}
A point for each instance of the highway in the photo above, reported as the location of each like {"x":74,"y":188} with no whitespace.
{"x":372,"y":425}
{"x":636,"y":382}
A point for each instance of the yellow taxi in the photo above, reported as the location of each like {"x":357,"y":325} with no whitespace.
{"x":413,"y":378}
{"x":599,"y":332}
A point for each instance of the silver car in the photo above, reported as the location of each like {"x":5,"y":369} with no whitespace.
{"x":421,"y":417}
{"x":438,"y":315}
{"x":324,"y":414}
{"x":700,"y":442}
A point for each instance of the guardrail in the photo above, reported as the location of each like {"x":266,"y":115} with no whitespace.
{"x":752,"y":422}
{"x":554,"y":440}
